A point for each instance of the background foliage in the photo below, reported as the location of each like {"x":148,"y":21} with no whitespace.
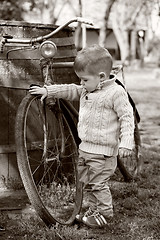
{"x":11,"y":10}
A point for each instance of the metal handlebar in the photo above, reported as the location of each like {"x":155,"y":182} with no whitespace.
{"x":78,"y":19}
{"x":41,"y":38}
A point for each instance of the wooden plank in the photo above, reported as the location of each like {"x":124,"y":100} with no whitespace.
{"x":35,"y":54}
{"x":13,"y":172}
{"x":4,"y":116}
{"x":15,"y":97}
{"x":38,"y":26}
{"x":27,"y":24}
{"x":41,"y":28}
{"x":11,"y":148}
{"x":3,"y":169}
{"x":65,"y":41}
{"x":61,"y":53}
{"x":19,"y":74}
{"x":4,"y":209}
{"x":23,"y":84}
{"x":18,"y":53}
{"x":19,"y":68}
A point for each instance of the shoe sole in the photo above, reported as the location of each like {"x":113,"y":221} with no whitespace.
{"x":94,"y":226}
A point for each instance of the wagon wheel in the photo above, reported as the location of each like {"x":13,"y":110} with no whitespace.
{"x":47,"y":156}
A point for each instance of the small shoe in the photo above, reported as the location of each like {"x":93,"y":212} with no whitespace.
{"x":96,"y":220}
{"x":79,"y":217}
{"x":88,"y":213}
{"x":2,"y":228}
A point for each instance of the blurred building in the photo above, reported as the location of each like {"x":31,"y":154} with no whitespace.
{"x":95,"y":11}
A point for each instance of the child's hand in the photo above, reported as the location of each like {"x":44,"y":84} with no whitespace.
{"x":35,"y":90}
{"x":124,"y":152}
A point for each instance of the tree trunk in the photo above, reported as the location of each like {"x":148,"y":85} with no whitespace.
{"x":103,"y":29}
{"x":78,"y":31}
{"x":122,"y":39}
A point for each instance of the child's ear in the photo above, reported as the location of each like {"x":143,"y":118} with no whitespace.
{"x":102,"y":76}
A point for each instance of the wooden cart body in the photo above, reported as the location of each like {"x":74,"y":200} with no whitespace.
{"x":21,"y":69}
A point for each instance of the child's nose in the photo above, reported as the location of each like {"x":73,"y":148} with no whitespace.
{"x":82,"y":82}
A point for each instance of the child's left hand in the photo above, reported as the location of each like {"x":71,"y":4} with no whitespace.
{"x":124,"y":152}
{"x":36,"y":90}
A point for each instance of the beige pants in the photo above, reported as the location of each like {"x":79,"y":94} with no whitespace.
{"x":94,"y":171}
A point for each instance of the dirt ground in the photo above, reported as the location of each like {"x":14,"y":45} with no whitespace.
{"x":144,"y":87}
{"x":11,"y":199}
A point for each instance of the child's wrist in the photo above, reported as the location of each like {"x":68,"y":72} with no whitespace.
{"x":46,"y":91}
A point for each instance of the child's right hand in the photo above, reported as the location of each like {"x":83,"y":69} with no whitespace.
{"x":35,"y":90}
{"x":124,"y":152}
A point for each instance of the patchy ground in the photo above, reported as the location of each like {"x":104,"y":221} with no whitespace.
{"x":137,"y":204}
{"x":144,"y":87}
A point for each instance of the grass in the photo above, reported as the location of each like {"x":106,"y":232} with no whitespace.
{"x":136,"y":204}
{"x":12,"y":183}
{"x":136,"y":207}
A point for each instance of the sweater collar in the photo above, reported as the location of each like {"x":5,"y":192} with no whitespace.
{"x":106,"y":82}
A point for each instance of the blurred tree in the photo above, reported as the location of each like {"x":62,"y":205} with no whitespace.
{"x":153,"y":47}
{"x":104,"y":27}
{"x":153,"y":11}
{"x":11,"y":9}
{"x":129,"y":16}
{"x":122,"y":15}
{"x":124,"y":19}
{"x":78,"y":29}
{"x":51,"y":10}
{"x":125,"y":16}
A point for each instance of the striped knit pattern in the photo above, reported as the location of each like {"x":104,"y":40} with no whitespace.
{"x":106,"y":119}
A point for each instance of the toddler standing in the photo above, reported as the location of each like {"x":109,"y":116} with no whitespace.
{"x":105,"y":127}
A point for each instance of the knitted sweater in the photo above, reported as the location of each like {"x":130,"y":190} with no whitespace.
{"x":106,"y":119}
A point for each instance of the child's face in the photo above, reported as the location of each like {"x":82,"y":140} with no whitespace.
{"x":88,"y":80}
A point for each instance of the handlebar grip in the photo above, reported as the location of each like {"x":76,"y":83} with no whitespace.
{"x":2,"y":44}
{"x":116,"y":69}
{"x":83,"y":20}
{"x":3,"y":41}
{"x":7,"y":36}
